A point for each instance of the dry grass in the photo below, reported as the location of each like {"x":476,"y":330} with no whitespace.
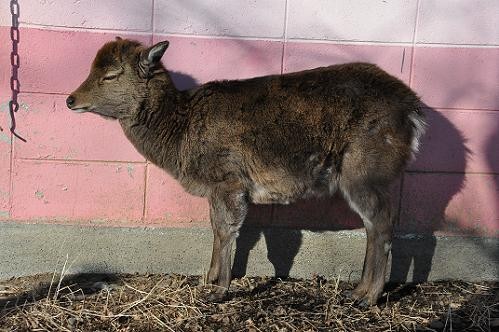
{"x":176,"y":303}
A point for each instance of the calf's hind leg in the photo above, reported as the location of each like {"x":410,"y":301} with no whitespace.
{"x":372,"y":203}
{"x":215,"y":257}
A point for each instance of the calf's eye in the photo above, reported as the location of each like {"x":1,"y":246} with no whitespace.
{"x":110,"y":77}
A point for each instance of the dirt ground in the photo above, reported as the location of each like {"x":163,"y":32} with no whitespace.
{"x":177,"y":303}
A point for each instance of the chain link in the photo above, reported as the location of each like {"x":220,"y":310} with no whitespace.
{"x":14,"y":12}
{"x":14,"y":34}
{"x":14,"y":60}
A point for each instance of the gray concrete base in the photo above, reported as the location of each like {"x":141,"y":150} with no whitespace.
{"x":29,"y":249}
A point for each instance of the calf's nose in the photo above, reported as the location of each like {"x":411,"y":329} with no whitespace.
{"x":70,"y":101}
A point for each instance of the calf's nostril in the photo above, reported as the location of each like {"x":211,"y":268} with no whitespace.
{"x":70,"y":101}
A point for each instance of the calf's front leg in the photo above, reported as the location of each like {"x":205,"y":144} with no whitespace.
{"x":227,"y":212}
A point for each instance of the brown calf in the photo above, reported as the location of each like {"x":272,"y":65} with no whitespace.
{"x":272,"y":139}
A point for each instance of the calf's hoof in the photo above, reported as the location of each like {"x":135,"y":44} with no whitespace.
{"x":357,"y":294}
{"x":363,"y":303}
{"x":217,"y":295}
{"x":360,"y":299}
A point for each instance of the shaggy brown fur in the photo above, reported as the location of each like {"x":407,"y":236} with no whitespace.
{"x":271,"y":139}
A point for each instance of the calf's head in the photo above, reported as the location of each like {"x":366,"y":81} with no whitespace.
{"x":118,"y":80}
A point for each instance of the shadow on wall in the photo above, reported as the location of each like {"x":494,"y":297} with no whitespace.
{"x":415,"y":241}
{"x":491,"y":150}
{"x":182,"y":81}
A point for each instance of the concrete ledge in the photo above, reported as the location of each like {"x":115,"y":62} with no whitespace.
{"x":28,"y":249}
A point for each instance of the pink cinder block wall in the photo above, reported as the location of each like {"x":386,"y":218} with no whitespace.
{"x":81,"y":169}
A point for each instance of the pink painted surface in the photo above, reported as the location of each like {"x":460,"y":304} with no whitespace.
{"x":4,"y":179}
{"x":77,"y":191}
{"x":53,"y":63}
{"x":300,"y":56}
{"x":4,"y":122}
{"x":4,"y":116}
{"x":203,"y":59}
{"x":167,"y":201}
{"x":4,"y":161}
{"x":452,"y":203}
{"x":48,"y":56}
{"x":5,"y":50}
{"x":460,"y":141}
{"x":54,"y":132}
{"x":451,"y":77}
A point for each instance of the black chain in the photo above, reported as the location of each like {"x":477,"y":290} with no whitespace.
{"x":14,"y":62}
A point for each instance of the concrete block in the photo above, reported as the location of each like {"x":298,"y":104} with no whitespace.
{"x":108,"y":14}
{"x":459,"y":22}
{"x":459,"y":141}
{"x":301,"y":55}
{"x":450,"y":203}
{"x":55,"y":132}
{"x":57,"y":191}
{"x":386,"y":21}
{"x":256,"y":18}
{"x":456,"y":77}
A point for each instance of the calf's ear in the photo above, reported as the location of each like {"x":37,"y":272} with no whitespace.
{"x":151,"y":56}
